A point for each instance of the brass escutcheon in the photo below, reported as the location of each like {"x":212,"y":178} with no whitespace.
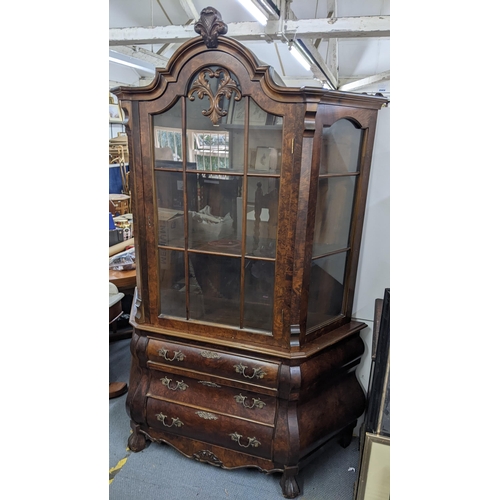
{"x":209,"y":384}
{"x":206,"y":415}
{"x":210,"y":354}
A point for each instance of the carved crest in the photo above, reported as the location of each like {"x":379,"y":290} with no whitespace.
{"x":210,"y":26}
{"x":201,"y":86}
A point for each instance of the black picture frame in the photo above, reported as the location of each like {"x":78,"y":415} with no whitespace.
{"x":377,"y":419}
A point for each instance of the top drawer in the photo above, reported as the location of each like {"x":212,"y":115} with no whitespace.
{"x":240,"y":368}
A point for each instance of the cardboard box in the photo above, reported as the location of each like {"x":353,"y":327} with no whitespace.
{"x":171,"y":227}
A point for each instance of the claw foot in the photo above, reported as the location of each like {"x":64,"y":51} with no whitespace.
{"x":288,"y":483}
{"x":136,"y":441}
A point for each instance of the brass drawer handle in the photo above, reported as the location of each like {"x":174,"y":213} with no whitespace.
{"x":257,"y":403}
{"x":257,"y":372}
{"x":251,"y":441}
{"x":175,"y":420}
{"x":178,"y":356}
{"x":181,"y":386}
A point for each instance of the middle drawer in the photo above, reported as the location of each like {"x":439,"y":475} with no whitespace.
{"x":212,"y":396}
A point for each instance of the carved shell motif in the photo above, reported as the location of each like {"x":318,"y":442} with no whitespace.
{"x":210,"y":26}
{"x":201,"y":87}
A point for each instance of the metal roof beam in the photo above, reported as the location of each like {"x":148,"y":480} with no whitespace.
{"x":144,"y":55}
{"x":366,"y":81}
{"x":340,"y":27}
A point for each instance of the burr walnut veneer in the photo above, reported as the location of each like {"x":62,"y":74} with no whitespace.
{"x":248,"y":200}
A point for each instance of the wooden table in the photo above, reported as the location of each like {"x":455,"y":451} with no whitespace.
{"x":123,"y":280}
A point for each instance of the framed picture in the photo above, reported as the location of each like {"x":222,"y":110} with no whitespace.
{"x":257,"y":115}
{"x":115,"y":113}
{"x":262,"y":159}
{"x":375,"y":472}
{"x":236,"y":113}
{"x":377,"y":418}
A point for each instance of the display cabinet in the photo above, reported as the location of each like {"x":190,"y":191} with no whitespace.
{"x":248,"y":202}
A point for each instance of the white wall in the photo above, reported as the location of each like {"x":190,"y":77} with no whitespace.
{"x":374,"y":263}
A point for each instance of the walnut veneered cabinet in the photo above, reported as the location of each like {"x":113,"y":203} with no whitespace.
{"x":248,"y":200}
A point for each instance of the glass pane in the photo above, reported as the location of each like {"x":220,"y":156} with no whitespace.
{"x":262,"y":216}
{"x":172,"y":283}
{"x":259,"y":290}
{"x":340,"y":148}
{"x":170,"y":201}
{"x":167,"y":128}
{"x":235,"y":125}
{"x":207,"y":106}
{"x":213,"y":216}
{"x":210,"y":150}
{"x":333,"y":213}
{"x":264,"y":141}
{"x":215,"y":288}
{"x":326,"y":289}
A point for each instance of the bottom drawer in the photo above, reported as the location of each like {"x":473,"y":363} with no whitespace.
{"x":233,"y":433}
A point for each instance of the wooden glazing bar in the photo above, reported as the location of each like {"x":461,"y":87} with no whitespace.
{"x":185,"y":200}
{"x":244,"y":212}
{"x":334,"y":252}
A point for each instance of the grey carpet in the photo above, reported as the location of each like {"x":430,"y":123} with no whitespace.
{"x":161,"y":473}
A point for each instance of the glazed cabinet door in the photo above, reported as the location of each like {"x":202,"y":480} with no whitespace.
{"x":217,"y":165}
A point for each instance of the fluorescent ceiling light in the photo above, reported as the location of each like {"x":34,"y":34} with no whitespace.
{"x":254,"y":10}
{"x":300,"y":58}
{"x":131,"y":64}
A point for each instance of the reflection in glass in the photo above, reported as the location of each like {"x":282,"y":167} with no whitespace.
{"x":215,"y":288}
{"x":210,"y":150}
{"x":340,"y":148}
{"x":333,"y":213}
{"x":172,"y":283}
{"x":237,"y":111}
{"x":170,"y":202}
{"x":262,"y":216}
{"x":168,"y":138}
{"x":213,"y":215}
{"x":264,"y":140}
{"x":326,"y":289}
{"x":259,"y":290}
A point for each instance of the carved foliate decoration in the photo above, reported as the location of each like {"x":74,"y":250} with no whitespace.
{"x":227,"y":86}
{"x":207,"y":456}
{"x":210,"y":26}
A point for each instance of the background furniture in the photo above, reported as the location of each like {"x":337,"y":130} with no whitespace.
{"x":244,"y":350}
{"x":374,"y":471}
{"x":115,"y":311}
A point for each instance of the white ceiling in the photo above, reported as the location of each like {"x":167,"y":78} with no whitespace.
{"x":342,"y":36}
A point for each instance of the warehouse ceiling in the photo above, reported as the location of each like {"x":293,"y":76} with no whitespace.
{"x":345,"y":42}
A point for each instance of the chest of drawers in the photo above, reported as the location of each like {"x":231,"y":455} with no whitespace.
{"x":234,"y":409}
